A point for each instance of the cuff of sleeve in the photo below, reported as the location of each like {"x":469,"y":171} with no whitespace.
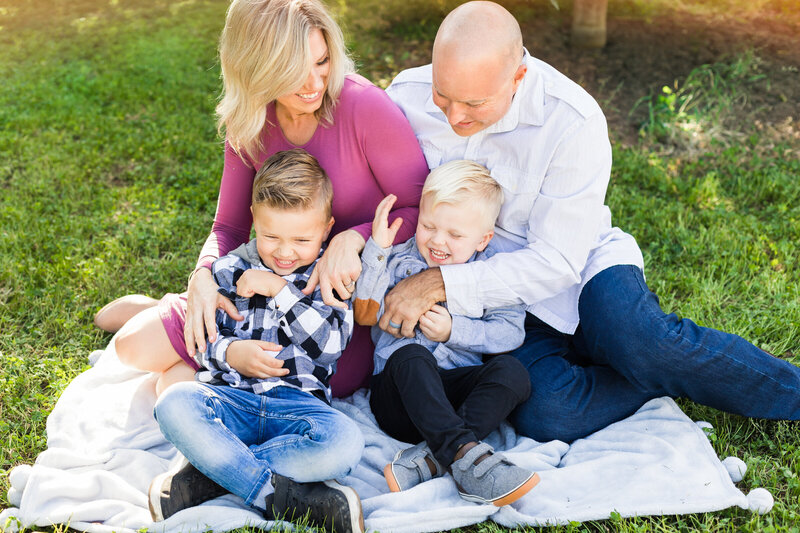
{"x":220,"y":354}
{"x":287,"y":297}
{"x":461,"y":289}
{"x":459,"y":331}
{"x":375,"y":256}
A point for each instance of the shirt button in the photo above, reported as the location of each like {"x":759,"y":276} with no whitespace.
{"x":380,"y":258}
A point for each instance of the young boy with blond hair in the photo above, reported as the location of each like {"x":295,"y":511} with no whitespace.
{"x":257,"y":421}
{"x":435,"y":387}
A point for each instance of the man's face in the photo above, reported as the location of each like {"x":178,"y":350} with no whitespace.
{"x":473,"y":94}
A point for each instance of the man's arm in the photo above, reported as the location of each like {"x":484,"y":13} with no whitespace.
{"x":565,"y":216}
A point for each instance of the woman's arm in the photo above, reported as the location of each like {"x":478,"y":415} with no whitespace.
{"x":231,"y":228}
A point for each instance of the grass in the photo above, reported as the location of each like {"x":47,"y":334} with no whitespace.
{"x":110,"y":164}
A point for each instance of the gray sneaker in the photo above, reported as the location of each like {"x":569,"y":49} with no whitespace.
{"x":324,"y":504}
{"x":494,"y":480}
{"x":409,"y":468}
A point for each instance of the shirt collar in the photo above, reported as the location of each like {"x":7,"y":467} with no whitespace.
{"x":531,"y":91}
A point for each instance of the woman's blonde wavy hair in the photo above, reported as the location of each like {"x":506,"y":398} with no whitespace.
{"x":264,"y":54}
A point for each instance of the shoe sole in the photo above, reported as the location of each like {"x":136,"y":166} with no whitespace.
{"x":154,"y":497}
{"x":505,"y":499}
{"x":353,"y":502}
{"x":391,"y":480}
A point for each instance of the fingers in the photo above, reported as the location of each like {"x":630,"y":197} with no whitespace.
{"x":269,"y":366}
{"x":269,"y":346}
{"x":327,"y":294}
{"x":313,"y":281}
{"x":209,"y":316}
{"x":229,"y":308}
{"x":196,"y":331}
{"x":395,"y":227}
{"x":385,"y":205}
{"x":188,"y":338}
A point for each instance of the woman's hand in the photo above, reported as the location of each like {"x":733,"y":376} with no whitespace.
{"x":382,"y":233}
{"x":203,"y":300}
{"x":338,"y":268}
{"x":255,"y":359}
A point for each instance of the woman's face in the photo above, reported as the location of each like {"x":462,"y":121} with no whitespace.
{"x":308,"y":98}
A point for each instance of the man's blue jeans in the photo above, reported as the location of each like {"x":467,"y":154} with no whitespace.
{"x":627,"y":351}
{"x":238,"y":438}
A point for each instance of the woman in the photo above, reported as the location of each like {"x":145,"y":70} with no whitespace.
{"x":288,"y":83}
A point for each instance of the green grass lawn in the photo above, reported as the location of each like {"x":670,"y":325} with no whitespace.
{"x":110,"y":164}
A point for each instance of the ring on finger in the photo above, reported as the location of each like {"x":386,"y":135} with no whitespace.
{"x":393,"y":325}
{"x":350,"y":286}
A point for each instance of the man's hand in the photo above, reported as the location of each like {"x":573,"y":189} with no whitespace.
{"x":436,"y":324}
{"x":254,"y":359}
{"x":261,"y":282}
{"x":382,"y":233}
{"x":409,"y":300}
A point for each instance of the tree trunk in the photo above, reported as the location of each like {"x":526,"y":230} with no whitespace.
{"x":589,"y":23}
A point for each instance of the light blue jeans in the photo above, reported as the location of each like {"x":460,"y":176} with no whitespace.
{"x":238,"y":438}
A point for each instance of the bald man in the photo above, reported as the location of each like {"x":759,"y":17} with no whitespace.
{"x":545,"y":140}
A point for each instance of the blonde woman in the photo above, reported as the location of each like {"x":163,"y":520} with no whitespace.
{"x":288,"y":83}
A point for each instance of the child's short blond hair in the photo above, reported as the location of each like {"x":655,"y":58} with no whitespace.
{"x":465,"y":181}
{"x":292,"y":179}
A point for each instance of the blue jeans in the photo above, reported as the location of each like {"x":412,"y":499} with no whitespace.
{"x":627,"y":351}
{"x":238,"y":438}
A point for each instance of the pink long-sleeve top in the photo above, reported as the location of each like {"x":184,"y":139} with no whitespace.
{"x":368,"y":152}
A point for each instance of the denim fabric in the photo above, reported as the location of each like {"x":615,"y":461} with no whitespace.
{"x":414,"y":400}
{"x":627,"y":351}
{"x":238,"y":438}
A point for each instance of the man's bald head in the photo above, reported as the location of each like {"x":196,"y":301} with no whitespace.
{"x":477,"y":65}
{"x":480,"y":31}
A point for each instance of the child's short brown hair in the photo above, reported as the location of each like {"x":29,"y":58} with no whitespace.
{"x":292,"y":179}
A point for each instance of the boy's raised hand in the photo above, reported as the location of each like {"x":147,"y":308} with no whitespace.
{"x":261,"y":282}
{"x":436,"y":324}
{"x":382,"y":233}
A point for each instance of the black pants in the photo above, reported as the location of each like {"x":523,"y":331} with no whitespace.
{"x":415,"y":400}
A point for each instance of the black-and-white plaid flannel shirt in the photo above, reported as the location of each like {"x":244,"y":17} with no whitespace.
{"x":312,"y":334}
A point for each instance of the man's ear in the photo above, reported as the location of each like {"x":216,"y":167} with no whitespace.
{"x":485,"y":241}
{"x":519,"y":75}
{"x":328,"y":229}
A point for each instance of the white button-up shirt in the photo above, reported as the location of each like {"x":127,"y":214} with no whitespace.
{"x":551,"y":154}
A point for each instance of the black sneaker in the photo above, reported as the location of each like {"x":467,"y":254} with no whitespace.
{"x":180,"y":488}
{"x":326,"y":504}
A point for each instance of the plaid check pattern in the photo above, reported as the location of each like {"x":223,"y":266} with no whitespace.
{"x":312,"y":334}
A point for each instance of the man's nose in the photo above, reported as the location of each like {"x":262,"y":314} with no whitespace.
{"x":455,"y":113}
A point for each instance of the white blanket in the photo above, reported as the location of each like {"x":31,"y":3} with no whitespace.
{"x":104,"y":447}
